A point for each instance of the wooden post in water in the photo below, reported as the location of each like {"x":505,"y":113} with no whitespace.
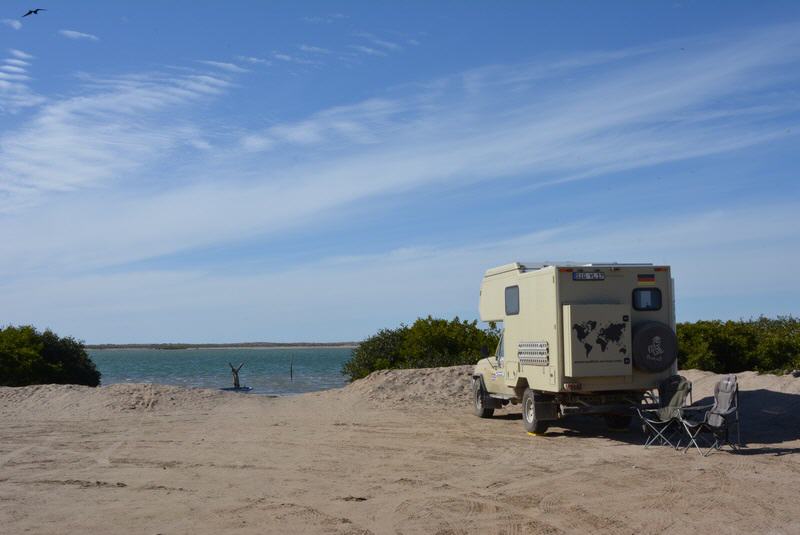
{"x":291,"y":370}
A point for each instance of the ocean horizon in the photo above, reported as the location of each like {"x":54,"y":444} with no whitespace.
{"x":266,"y":369}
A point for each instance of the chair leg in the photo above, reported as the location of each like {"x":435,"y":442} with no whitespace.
{"x":653,"y":438}
{"x":650,"y":434}
{"x":664,"y":439}
{"x":680,"y":436}
{"x":735,"y":446}
{"x":716,"y":445}
{"x":692,"y":439}
{"x":657,"y":435}
{"x":738,"y":433}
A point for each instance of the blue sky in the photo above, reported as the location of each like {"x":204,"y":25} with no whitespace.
{"x":285,"y":171}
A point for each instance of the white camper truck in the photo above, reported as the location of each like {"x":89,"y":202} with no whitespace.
{"x":576,"y":339}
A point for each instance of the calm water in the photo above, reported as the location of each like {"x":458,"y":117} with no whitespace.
{"x":266,"y":370}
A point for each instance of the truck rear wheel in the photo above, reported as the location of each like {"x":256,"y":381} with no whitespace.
{"x":529,"y":417}
{"x":480,"y":398}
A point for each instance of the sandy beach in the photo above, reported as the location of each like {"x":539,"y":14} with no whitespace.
{"x":398,"y":452}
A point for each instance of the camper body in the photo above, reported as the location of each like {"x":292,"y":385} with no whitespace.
{"x":576,"y":339}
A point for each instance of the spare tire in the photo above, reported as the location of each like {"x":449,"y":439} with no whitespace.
{"x":655,"y":347}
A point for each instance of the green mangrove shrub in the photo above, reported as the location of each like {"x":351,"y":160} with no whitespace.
{"x":427,"y":343}
{"x":29,"y":357}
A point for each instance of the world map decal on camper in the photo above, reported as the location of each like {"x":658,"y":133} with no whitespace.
{"x":605,"y":334}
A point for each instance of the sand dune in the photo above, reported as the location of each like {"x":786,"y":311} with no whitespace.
{"x":397,"y":452}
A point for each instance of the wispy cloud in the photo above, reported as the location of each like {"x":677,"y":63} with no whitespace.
{"x":253,"y":60}
{"x":19,"y":54}
{"x":289,"y":58}
{"x":12,"y":68}
{"x":367,"y":50}
{"x":72,"y":34}
{"x":324,"y":19}
{"x":225,"y":66}
{"x":361,"y":123}
{"x":438,"y":280}
{"x":15,"y":24}
{"x":313,"y":49}
{"x":256,"y":142}
{"x":112,"y":129}
{"x":640,"y":111}
{"x":379,"y":42}
{"x":15,"y":92}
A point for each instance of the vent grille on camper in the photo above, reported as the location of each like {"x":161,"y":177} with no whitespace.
{"x":533,"y":353}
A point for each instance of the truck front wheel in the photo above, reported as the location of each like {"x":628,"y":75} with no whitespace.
{"x":529,"y":419}
{"x":481,"y":400}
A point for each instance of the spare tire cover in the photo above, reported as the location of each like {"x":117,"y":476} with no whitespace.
{"x":655,"y":347}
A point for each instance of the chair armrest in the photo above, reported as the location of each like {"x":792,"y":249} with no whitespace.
{"x":654,"y":415}
{"x":691,"y":408}
{"x":730,"y":412}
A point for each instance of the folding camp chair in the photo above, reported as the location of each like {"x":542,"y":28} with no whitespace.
{"x":662,"y":423}
{"x":717,"y":420}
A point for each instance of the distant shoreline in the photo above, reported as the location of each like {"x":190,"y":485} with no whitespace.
{"x":245,"y":345}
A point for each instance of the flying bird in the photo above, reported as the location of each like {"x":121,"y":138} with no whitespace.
{"x":33,"y":12}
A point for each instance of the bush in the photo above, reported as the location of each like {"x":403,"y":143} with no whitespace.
{"x":378,"y":352}
{"x":29,"y":357}
{"x":764,"y":345}
{"x":427,"y":343}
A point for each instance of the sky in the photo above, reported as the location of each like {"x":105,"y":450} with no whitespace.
{"x":180,"y":171}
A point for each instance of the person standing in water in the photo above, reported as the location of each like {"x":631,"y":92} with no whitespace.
{"x":235,"y":373}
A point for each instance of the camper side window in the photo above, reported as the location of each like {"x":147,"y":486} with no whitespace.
{"x":512,"y":300}
{"x":499,"y":351}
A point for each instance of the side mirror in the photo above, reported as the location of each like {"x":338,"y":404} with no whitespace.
{"x":484,"y":352}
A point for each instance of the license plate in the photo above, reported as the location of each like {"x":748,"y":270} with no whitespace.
{"x":588,"y":276}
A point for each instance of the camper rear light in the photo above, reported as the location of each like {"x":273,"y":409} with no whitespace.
{"x":571,"y":387}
